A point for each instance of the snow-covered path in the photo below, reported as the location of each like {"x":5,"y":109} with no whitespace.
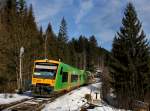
{"x":75,"y":99}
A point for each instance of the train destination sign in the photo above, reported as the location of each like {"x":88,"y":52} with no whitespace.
{"x":46,"y":67}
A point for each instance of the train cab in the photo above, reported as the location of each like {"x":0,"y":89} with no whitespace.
{"x":44,"y":74}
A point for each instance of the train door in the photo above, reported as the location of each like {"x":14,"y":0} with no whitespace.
{"x":78,"y":79}
{"x":69,"y":81}
{"x":64,"y":80}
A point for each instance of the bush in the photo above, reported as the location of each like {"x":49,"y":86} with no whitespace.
{"x":88,"y":97}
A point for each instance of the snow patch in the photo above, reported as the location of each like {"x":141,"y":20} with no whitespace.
{"x":71,"y":101}
{"x":74,"y":100}
{"x":10,"y":98}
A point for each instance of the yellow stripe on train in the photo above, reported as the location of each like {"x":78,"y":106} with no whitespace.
{"x":43,"y":81}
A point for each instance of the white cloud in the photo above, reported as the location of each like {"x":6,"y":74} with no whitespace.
{"x":85,"y":7}
{"x":45,"y":10}
{"x":49,"y":11}
{"x":103,"y":21}
{"x":106,"y":35}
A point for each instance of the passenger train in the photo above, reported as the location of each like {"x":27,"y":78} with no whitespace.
{"x":50,"y":76}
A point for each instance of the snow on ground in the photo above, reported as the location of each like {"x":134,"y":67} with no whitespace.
{"x":9,"y":98}
{"x":73,"y":100}
{"x":105,"y":108}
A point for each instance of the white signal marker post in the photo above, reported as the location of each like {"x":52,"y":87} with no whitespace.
{"x":20,"y":73}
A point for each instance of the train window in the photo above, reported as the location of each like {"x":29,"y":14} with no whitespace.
{"x":74,"y":78}
{"x":45,"y":70}
{"x":65,"y":77}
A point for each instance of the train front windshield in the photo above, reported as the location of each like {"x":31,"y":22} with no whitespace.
{"x":45,"y":70}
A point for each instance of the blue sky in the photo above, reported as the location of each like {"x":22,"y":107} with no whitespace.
{"x":101,"y":18}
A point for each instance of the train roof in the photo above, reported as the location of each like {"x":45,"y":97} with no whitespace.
{"x":46,"y":60}
{"x":57,"y":62}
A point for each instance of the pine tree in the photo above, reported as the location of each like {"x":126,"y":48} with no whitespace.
{"x":92,"y":50}
{"x":62,"y":35}
{"x":40,"y":38}
{"x":51,"y":42}
{"x":62,"y":48}
{"x":131,"y":54}
{"x":73,"y":53}
{"x":21,"y":5}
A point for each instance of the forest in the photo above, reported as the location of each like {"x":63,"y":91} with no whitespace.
{"x":127,"y":65}
{"x":128,"y":69}
{"x":18,"y":28}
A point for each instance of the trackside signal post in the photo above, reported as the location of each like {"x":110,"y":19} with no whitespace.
{"x":20,"y":71}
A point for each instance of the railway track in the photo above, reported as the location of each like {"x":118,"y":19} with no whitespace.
{"x":4,"y":106}
{"x":34,"y":104}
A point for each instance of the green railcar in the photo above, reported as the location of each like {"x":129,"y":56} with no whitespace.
{"x":54,"y":76}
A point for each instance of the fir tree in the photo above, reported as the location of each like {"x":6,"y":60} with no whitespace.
{"x":92,"y":56}
{"x":62,"y":35}
{"x":21,"y":5}
{"x":51,"y":42}
{"x":62,"y":48}
{"x":131,"y":54}
{"x":73,"y":53}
